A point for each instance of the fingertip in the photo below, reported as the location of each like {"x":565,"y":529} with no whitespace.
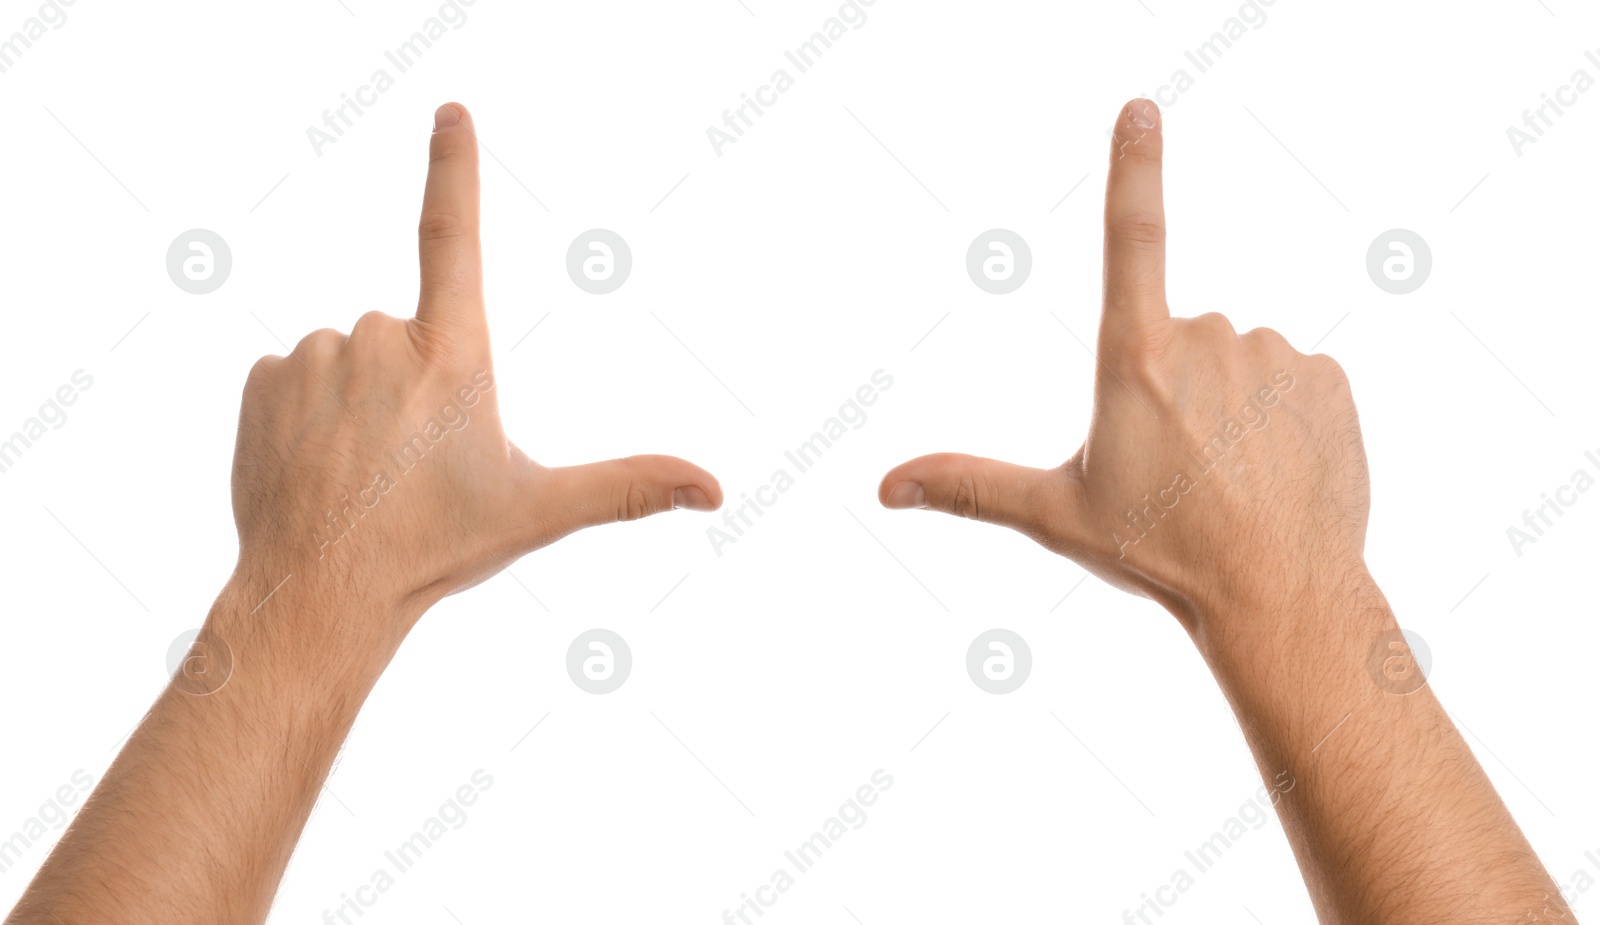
{"x":704,"y":495}
{"x":890,"y":480}
{"x":449,"y":116}
{"x":697,"y":489}
{"x":1136,"y":226}
{"x":905,"y":496}
{"x":451,"y":253}
{"x":1141,"y":114}
{"x":693,"y":498}
{"x":1137,"y":134}
{"x":905,"y":486}
{"x":883,"y":490}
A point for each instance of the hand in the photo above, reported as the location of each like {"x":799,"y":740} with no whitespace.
{"x":1219,"y":468}
{"x":376,"y":463}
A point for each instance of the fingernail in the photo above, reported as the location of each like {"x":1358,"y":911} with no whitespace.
{"x":690,"y":498}
{"x":1142,"y":114}
{"x":906,"y":495}
{"x":446,"y":116}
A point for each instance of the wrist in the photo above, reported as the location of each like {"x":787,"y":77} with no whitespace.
{"x":1308,"y":661}
{"x":1312,"y":634}
{"x":297,"y":629}
{"x":1289,"y":610}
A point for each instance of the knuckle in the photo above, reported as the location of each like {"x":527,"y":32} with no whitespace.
{"x":372,"y":321}
{"x":964,"y":500}
{"x":440,"y":226}
{"x":1330,"y":369}
{"x":1139,"y":229}
{"x":634,"y":503}
{"x":444,"y":149}
{"x":264,"y":367}
{"x":375,"y":329}
{"x":1267,"y":339}
{"x":320,"y":343}
{"x":1212,"y":330}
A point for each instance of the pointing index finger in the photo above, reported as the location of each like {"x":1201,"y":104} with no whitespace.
{"x":1136,"y":226}
{"x":447,"y":236}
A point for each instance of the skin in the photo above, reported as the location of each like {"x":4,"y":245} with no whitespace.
{"x":1257,"y":552}
{"x":1260,"y":558}
{"x":197,"y":817}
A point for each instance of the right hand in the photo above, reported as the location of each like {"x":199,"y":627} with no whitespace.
{"x":1221,"y":471}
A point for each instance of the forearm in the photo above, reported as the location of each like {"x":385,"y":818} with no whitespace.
{"x":248,"y":758}
{"x":1391,"y":817}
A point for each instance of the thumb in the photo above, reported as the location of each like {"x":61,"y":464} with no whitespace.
{"x":1037,"y":502}
{"x":571,"y":498}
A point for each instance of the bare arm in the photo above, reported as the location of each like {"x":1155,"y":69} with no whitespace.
{"x":1391,"y":817}
{"x":1224,"y":477}
{"x":197,"y":817}
{"x":372,"y":478}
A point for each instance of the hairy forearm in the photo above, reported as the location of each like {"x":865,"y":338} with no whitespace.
{"x":1391,"y":817}
{"x":197,"y":817}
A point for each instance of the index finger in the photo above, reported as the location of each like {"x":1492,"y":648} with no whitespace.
{"x":447,"y":236}
{"x":1135,"y":292}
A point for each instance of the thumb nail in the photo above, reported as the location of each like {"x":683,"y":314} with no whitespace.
{"x":906,"y":495}
{"x":690,"y":498}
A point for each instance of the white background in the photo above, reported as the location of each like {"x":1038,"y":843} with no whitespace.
{"x":828,"y":641}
